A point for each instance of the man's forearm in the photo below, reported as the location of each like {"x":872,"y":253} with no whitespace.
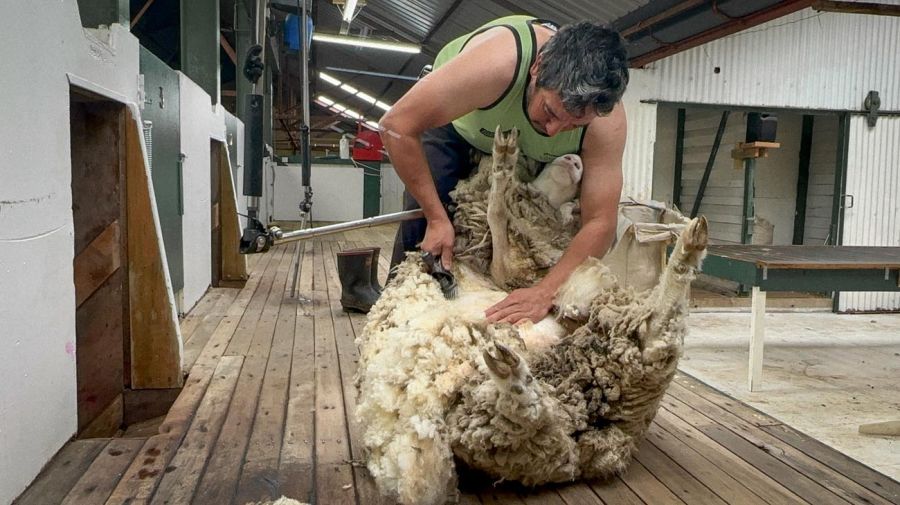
{"x":593,"y":239}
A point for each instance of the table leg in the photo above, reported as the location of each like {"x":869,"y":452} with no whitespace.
{"x":757,"y":335}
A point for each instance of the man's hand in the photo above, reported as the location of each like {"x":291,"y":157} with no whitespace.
{"x":532,"y":303}
{"x":439,"y":237}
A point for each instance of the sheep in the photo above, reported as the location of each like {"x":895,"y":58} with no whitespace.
{"x":579,"y":408}
{"x":436,"y":380}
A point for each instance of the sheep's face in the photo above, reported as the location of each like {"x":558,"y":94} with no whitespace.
{"x":559,"y":180}
{"x":567,"y":170}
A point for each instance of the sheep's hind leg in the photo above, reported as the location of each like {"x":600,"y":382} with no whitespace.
{"x":506,"y":153}
{"x":670,"y":301}
{"x":693,"y":241}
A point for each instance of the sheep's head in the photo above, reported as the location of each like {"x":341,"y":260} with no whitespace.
{"x":560,"y":179}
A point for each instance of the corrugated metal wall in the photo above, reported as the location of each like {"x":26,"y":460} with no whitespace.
{"x":873,"y":178}
{"x":820,"y":193}
{"x":637,"y":160}
{"x":807,"y":60}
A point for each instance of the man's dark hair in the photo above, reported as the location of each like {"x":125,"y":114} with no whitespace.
{"x":587,"y":64}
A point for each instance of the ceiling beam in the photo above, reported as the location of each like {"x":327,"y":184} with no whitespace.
{"x":857,"y":8}
{"x":756,"y":18}
{"x":137,"y":17}
{"x":662,"y":16}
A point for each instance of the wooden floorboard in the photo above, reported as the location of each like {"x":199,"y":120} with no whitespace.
{"x":267,"y":410}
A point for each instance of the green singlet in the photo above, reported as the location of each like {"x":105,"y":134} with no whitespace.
{"x":509,"y":111}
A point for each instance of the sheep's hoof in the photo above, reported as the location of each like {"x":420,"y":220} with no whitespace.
{"x":696,"y":235}
{"x":694,"y":240}
{"x":504,"y":363}
{"x":506,"y":149}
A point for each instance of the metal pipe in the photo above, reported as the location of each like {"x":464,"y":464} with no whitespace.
{"x":373,"y":74}
{"x":280,"y":237}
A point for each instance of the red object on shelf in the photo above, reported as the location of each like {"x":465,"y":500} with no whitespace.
{"x":367,"y":146}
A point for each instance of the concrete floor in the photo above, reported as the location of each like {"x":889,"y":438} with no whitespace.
{"x":823,"y":373}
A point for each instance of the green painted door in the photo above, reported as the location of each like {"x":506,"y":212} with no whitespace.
{"x":371,"y":188}
{"x":161,"y":108}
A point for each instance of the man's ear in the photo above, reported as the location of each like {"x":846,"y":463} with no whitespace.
{"x":534,"y":67}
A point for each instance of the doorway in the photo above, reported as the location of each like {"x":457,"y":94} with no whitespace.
{"x":100,"y":262}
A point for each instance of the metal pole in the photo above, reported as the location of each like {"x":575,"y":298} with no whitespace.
{"x":305,"y":166}
{"x":280,"y":237}
{"x":749,"y":213}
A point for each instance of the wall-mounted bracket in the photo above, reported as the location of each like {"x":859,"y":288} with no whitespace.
{"x":871,"y":104}
{"x":751,"y":150}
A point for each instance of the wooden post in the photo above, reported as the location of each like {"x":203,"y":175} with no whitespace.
{"x":757,"y":335}
{"x":234,"y":264}
{"x":155,"y":335}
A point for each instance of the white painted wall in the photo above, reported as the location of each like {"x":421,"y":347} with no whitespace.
{"x":637,"y":160}
{"x":46,"y":53}
{"x":722,"y":202}
{"x":337,"y":192}
{"x":820,"y":192}
{"x":391,"y":190}
{"x":776,"y":179}
{"x":664,"y":153}
{"x":44,"y":49}
{"x":200,"y":122}
{"x":873,"y":179}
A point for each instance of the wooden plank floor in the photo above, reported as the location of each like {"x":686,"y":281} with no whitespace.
{"x":264,"y":413}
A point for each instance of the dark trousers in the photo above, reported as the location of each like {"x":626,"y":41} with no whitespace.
{"x":450,"y":160}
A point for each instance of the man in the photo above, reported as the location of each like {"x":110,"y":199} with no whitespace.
{"x":561,"y":89}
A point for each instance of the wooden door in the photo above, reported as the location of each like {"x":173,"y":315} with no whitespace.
{"x":100,"y":262}
{"x":215,"y":185}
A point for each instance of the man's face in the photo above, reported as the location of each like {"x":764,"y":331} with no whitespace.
{"x":546,"y":112}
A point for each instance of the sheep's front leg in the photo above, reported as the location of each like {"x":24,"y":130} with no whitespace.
{"x":506,"y":153}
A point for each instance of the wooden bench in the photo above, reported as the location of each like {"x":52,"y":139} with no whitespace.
{"x":800,"y":268}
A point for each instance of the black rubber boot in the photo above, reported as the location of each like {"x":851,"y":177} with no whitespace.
{"x":358,"y":270}
{"x":374,"y":280}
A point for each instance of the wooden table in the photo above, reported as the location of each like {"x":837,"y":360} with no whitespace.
{"x":800,"y":268}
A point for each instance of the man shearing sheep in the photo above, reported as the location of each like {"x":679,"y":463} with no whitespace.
{"x":560,"y":87}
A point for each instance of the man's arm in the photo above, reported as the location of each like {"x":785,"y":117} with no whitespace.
{"x":601,"y":188}
{"x":474,"y":78}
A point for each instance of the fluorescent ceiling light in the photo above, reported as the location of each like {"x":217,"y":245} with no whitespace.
{"x":366,"y":97}
{"x":325,"y":100}
{"x":329,"y":79}
{"x":372,"y":124}
{"x":370,"y":43}
{"x":349,"y":89}
{"x":381,"y":105}
{"x":349,"y":7}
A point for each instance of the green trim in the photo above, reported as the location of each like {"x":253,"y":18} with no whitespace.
{"x":200,"y":44}
{"x":104,"y":12}
{"x":840,"y":187}
{"x":749,"y":214}
{"x":804,"y":280}
{"x":806,"y":139}
{"x":679,"y":158}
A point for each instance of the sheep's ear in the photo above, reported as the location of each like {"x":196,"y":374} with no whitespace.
{"x":496,"y":367}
